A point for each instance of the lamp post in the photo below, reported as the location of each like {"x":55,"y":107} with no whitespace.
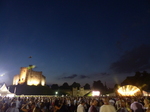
{"x":56,"y":93}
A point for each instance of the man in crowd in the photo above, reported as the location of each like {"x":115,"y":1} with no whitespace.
{"x":136,"y":106}
{"x":80,"y":107}
{"x":93,"y":107}
{"x":12,"y":108}
{"x":107,"y":107}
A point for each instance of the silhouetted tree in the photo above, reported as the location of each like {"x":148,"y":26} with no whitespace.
{"x":65,"y":86}
{"x":116,"y":87}
{"x":137,"y":74}
{"x":55,"y":86}
{"x":145,"y":74}
{"x":98,"y":85}
{"x":140,"y":79}
{"x":87,"y":86}
{"x":75,"y":85}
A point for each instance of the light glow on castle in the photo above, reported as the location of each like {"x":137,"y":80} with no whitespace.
{"x":29,"y":77}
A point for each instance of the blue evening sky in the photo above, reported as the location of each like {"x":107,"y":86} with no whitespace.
{"x":75,"y":40}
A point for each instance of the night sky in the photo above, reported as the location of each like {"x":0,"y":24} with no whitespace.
{"x":75,"y":40}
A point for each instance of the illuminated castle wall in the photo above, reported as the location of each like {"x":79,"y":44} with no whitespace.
{"x":29,"y":77}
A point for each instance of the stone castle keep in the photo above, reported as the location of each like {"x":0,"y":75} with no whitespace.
{"x":29,"y":77}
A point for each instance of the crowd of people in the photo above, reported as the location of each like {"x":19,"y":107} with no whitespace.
{"x":75,"y":104}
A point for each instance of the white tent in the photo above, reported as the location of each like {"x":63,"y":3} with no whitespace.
{"x":146,"y":93}
{"x":5,"y":92}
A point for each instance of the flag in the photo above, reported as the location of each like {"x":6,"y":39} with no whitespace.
{"x":30,"y":57}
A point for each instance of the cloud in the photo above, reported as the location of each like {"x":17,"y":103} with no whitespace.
{"x":138,"y":59}
{"x":93,"y":75}
{"x":70,"y":77}
{"x":75,"y":76}
{"x":104,"y":74}
{"x":98,"y":75}
{"x":84,"y":76}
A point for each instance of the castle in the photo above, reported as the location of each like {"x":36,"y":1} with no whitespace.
{"x":29,"y":77}
{"x":79,"y":92}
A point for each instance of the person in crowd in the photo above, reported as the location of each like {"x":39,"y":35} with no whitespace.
{"x":112,"y":102}
{"x":1,"y":106}
{"x":106,"y":107}
{"x":146,"y":104}
{"x":4,"y":107}
{"x":148,"y":109}
{"x":93,"y":107}
{"x":18,"y":102}
{"x":136,"y":106}
{"x":123,"y":107}
{"x":57,"y":105}
{"x":37,"y":109}
{"x":28,"y":107}
{"x":12,"y":108}
{"x":43,"y":107}
{"x":118,"y":103}
{"x":81,"y":107}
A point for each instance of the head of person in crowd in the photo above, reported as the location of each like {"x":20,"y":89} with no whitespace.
{"x":82,"y":102}
{"x":135,"y":99}
{"x":111,"y":102}
{"x":13,"y":104}
{"x":123,"y":103}
{"x":57,"y":102}
{"x":146,"y":101}
{"x":105,"y":101}
{"x":94,"y":102}
{"x":32,"y":105}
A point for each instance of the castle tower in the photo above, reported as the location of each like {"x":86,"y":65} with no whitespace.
{"x":74,"y":91}
{"x":23,"y":75}
{"x":29,"y":77}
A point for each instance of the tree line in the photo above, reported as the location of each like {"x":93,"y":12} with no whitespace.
{"x":97,"y":85}
{"x":140,"y":80}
